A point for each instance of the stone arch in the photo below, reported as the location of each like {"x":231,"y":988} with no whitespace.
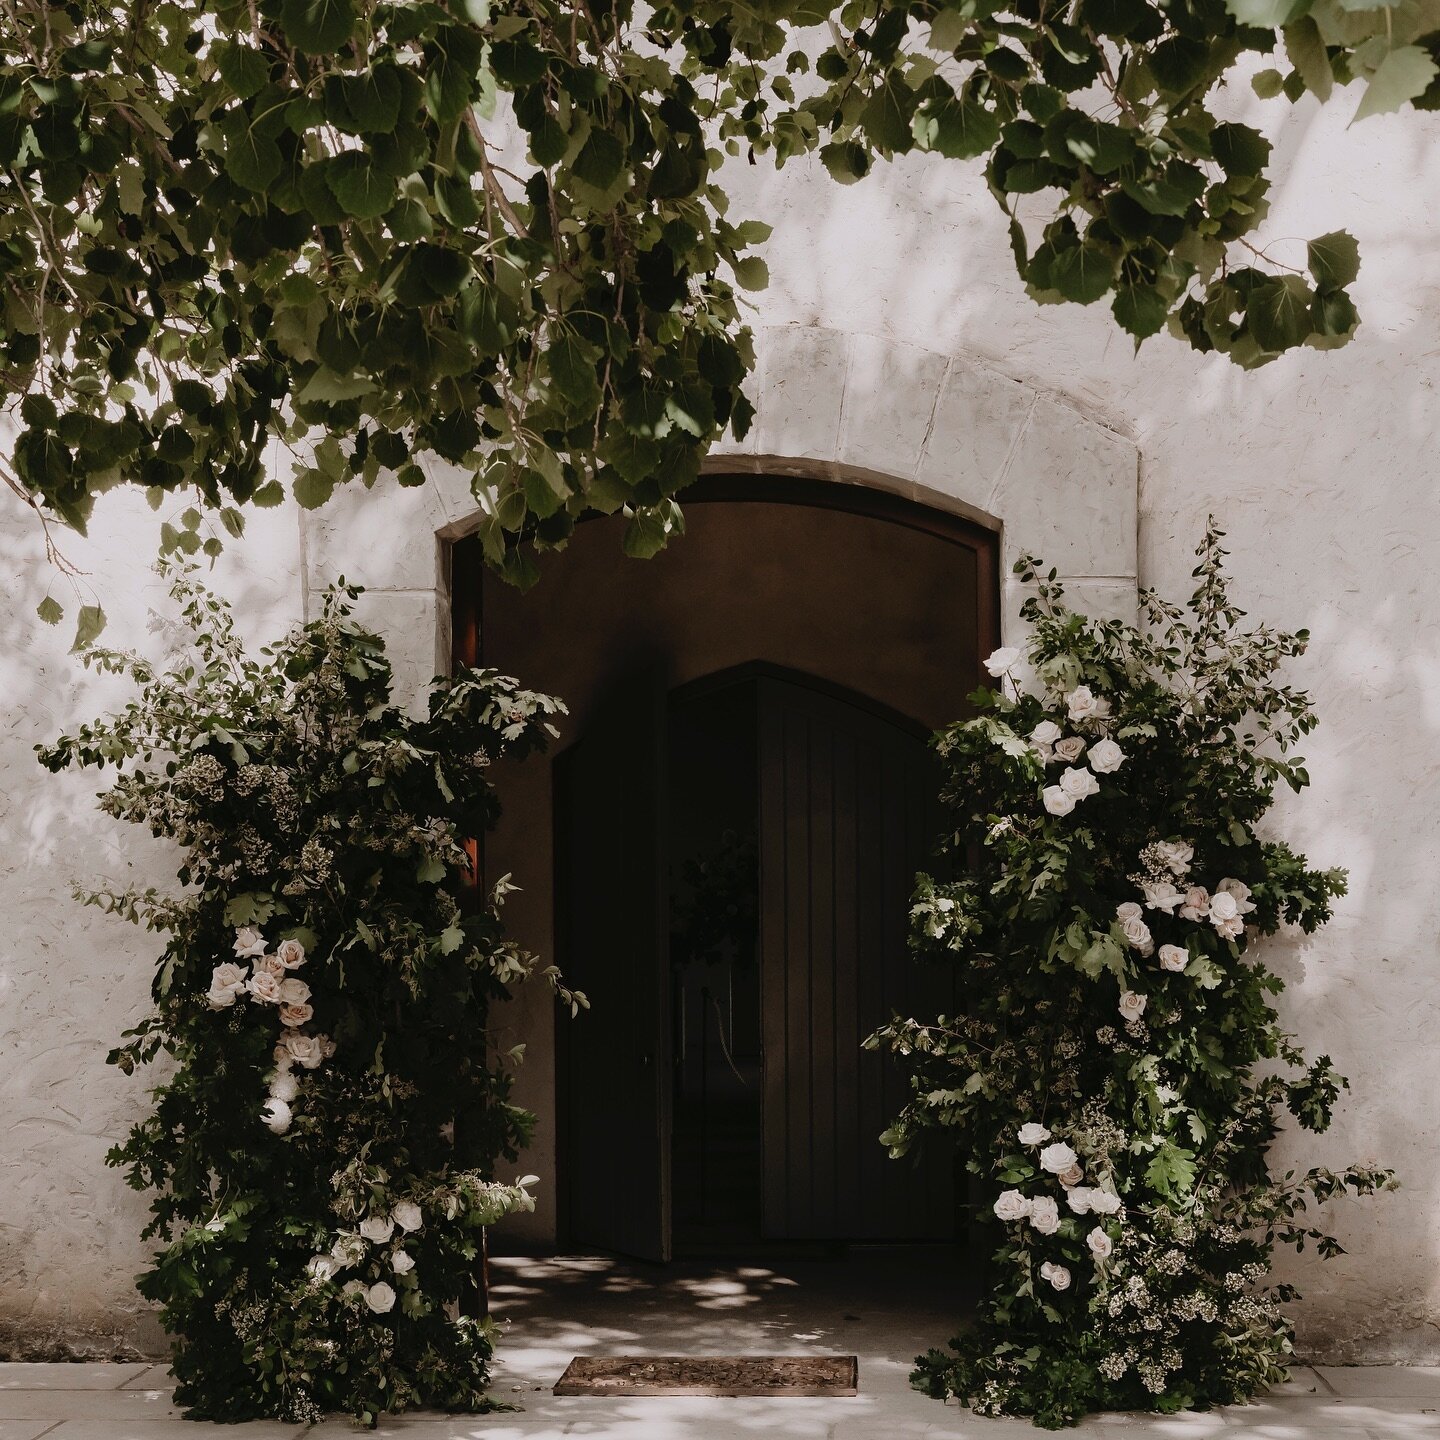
{"x":945,"y":430}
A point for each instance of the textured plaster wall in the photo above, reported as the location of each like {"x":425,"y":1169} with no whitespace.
{"x":896,"y":343}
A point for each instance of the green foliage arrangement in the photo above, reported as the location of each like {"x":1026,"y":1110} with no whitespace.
{"x":1120,"y":1070}
{"x":323,"y":1146}
{"x":494,"y":233}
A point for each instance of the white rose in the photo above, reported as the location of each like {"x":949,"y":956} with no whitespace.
{"x":1132,"y":1006}
{"x":1172,"y":957}
{"x":269,"y":965}
{"x":1099,"y":1243}
{"x":1057,"y":1275}
{"x":294,"y":992}
{"x":1044,"y":1215}
{"x":1057,"y":1158}
{"x":1197,"y":903}
{"x":407,"y":1216}
{"x":353,"y":1287}
{"x":1176,"y":854}
{"x":249,"y":942}
{"x":284,"y":1087}
{"x":1129,"y":911}
{"x":1003,"y":659}
{"x":1078,"y":1198}
{"x":1162,"y":895}
{"x":265,"y":988}
{"x":1012,"y":1205}
{"x":1033,"y":1134}
{"x":276,"y":1115}
{"x":1084,"y":704}
{"x":377,"y":1229}
{"x":1231,"y":929}
{"x":1104,"y":1202}
{"x":306,"y":1050}
{"x":322,"y":1267}
{"x":380,"y":1298}
{"x":1070,"y":749}
{"x":1045,"y":734}
{"x":1240,"y":891}
{"x":1137,"y":935}
{"x":1057,"y":802}
{"x":227,"y":984}
{"x":1223,"y":906}
{"x":348,"y":1249}
{"x":1079,"y":782}
{"x":296,"y":1014}
{"x":221,"y":997}
{"x":1073,"y":1176}
{"x":402,"y":1263}
{"x":291,"y":954}
{"x":1106,"y":757}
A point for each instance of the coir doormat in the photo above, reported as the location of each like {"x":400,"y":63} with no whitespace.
{"x":721,"y":1375}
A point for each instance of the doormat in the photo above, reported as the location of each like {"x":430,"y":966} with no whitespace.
{"x":721,"y":1375}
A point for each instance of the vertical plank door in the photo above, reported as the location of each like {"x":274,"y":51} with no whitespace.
{"x":612,"y":939}
{"x":848,"y":814}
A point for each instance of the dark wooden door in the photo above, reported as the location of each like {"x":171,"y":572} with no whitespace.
{"x":612,"y":942}
{"x":848,"y":814}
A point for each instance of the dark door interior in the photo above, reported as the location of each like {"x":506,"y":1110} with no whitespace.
{"x":611,"y":822}
{"x":718,"y":1087}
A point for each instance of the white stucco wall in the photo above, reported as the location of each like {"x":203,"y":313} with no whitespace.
{"x":897,"y":341}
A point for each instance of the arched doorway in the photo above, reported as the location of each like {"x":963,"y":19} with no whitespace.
{"x":772,"y":675}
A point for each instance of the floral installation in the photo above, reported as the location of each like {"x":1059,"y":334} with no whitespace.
{"x":1120,"y":1072}
{"x":323,"y":1148}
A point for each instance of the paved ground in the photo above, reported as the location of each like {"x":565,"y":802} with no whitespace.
{"x":883,"y":1307}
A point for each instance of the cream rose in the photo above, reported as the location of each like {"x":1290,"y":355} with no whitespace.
{"x":1057,"y":1158}
{"x":1003,"y":659}
{"x":1011,"y":1205}
{"x":1070,"y":749}
{"x":1129,"y":911}
{"x":294,"y":992}
{"x":1033,"y":1134}
{"x":322,"y":1267}
{"x":1045,"y":734}
{"x":1172,"y":957}
{"x":380,"y":1298}
{"x":1071,"y":1177}
{"x":1197,"y":904}
{"x":264,"y":987}
{"x":1078,"y":1199}
{"x":1079,"y":782}
{"x":296,"y":1014}
{"x":1161,"y":895}
{"x":1231,"y":929}
{"x":1104,"y":1202}
{"x":1044,"y":1215}
{"x":1240,"y":892}
{"x":407,"y":1216}
{"x":402,"y":1263}
{"x":1057,"y":1275}
{"x":1106,"y":757}
{"x":306,"y":1050}
{"x":377,"y":1229}
{"x":1056,"y":801}
{"x":348,"y":1249}
{"x":269,"y":965}
{"x":1099,"y":1243}
{"x":1176,"y":855}
{"x":276,"y":1116}
{"x":291,"y":954}
{"x":1083,"y":704}
{"x":1223,"y":906}
{"x":1132,"y":1006}
{"x":249,"y":942}
{"x":227,"y":984}
{"x":284,"y":1087}
{"x":1137,"y":934}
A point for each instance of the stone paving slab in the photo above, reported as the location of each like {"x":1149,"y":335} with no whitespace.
{"x":28,"y":1375}
{"x":1420,"y":1382}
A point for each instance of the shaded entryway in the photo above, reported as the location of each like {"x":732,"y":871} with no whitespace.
{"x":749,"y":710}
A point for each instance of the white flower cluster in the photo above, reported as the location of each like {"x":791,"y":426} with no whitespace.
{"x":270,"y":983}
{"x":350,"y":1249}
{"x":1042,"y":1212}
{"x":1165,"y":869}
